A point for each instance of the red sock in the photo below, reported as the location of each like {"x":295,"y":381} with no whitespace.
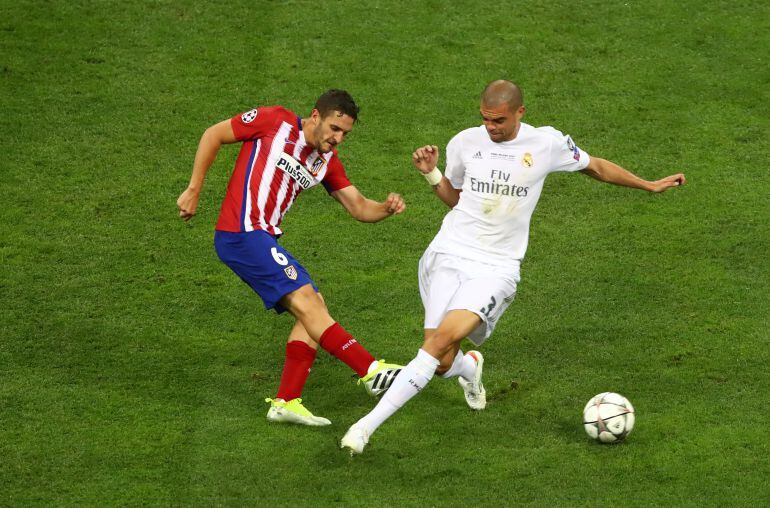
{"x":338,"y":342}
{"x":299,"y":359}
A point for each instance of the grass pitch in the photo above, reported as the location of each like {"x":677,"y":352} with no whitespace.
{"x":134,"y":363}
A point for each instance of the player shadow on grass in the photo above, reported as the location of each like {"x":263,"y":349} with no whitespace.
{"x":448,"y":411}
{"x":571,"y":429}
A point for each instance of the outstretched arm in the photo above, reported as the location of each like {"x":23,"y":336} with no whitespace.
{"x":366,"y":210}
{"x":425,"y":159}
{"x":607,"y":171}
{"x":213,"y":138}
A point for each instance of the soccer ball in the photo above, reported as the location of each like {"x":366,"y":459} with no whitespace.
{"x":608,"y":417}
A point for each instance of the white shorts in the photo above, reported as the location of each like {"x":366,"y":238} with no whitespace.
{"x":449,"y":282}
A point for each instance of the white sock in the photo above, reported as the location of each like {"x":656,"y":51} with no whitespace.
{"x":409,"y":382}
{"x":463,"y":365}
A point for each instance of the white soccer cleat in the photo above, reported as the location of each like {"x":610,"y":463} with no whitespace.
{"x":475,"y":394}
{"x":293,"y":412}
{"x":379,"y":378}
{"x":355,"y":440}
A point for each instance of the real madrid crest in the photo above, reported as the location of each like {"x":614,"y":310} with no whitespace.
{"x":527,"y":160}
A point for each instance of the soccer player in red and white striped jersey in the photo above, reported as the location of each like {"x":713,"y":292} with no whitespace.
{"x":282,"y":155}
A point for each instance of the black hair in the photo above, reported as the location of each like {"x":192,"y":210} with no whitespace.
{"x":337,"y":100}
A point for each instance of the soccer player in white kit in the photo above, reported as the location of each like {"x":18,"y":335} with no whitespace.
{"x":468,"y":274}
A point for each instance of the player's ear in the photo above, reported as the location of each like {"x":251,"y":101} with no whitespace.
{"x":315,"y":115}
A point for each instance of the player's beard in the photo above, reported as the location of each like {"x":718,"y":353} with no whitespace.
{"x":501,"y":136}
{"x":496,"y":137}
{"x":323,"y":145}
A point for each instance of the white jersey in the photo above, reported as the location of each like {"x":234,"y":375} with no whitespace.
{"x":501,"y":184}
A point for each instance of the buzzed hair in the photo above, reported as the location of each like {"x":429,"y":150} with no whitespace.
{"x":337,"y":100}
{"x":502,"y":91}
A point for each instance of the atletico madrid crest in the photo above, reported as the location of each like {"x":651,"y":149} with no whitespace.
{"x":291,"y":272}
{"x":317,"y":165}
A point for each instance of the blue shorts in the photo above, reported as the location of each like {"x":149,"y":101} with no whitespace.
{"x":269,"y":269}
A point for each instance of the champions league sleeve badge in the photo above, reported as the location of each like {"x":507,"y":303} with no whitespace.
{"x":249,"y":116}
{"x":573,"y":148}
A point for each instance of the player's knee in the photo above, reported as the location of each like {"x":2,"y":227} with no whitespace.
{"x":305,"y":302}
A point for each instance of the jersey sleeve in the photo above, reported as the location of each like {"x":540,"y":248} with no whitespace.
{"x":255,"y":123}
{"x":455,"y":168}
{"x":565,"y":154}
{"x":335,"y":178}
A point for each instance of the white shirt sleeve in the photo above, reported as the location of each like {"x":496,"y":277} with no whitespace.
{"x":455,"y":169}
{"x":565,"y":154}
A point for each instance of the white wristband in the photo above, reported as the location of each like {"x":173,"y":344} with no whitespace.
{"x":434,"y":177}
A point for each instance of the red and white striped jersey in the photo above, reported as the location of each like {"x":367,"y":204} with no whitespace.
{"x":274,"y":165}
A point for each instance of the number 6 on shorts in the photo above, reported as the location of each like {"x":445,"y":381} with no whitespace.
{"x":279,"y":258}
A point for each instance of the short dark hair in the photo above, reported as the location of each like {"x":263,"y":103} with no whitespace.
{"x":503,"y":91}
{"x":337,"y":100}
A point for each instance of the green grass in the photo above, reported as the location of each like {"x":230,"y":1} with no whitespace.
{"x":134,"y":363}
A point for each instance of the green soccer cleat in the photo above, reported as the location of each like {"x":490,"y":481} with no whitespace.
{"x":355,"y":440}
{"x":380,"y":377}
{"x":475,"y":394}
{"x":293,"y":412}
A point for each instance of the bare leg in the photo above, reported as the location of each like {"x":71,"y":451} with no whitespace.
{"x":309,"y":309}
{"x":299,"y":333}
{"x":439,"y":349}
